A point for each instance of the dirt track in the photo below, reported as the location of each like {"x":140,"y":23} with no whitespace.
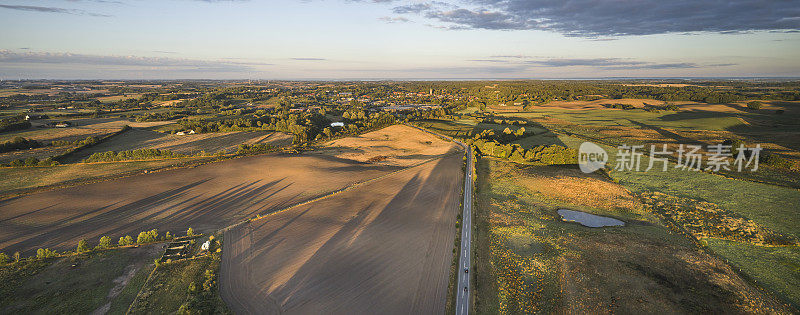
{"x":205,"y":198}
{"x":383,"y":247}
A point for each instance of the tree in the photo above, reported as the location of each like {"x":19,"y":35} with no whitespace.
{"x":3,"y":258}
{"x":754,"y":105}
{"x":105,"y":243}
{"x":83,"y":246}
{"x":190,"y":232}
{"x":125,"y":240}
{"x":17,"y":257}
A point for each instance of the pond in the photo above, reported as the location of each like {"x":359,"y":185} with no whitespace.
{"x":588,"y":219}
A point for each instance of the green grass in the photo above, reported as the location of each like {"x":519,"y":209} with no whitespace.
{"x":55,"y":287}
{"x":776,"y":268}
{"x":125,"y":298}
{"x":665,"y":119}
{"x":167,"y":289}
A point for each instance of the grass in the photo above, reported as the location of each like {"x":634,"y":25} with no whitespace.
{"x":31,"y":177}
{"x":609,"y":117}
{"x":528,"y":260}
{"x":54,"y":286}
{"x":776,"y":268}
{"x":168,"y":287}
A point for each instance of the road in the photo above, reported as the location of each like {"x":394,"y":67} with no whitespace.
{"x":462,"y":297}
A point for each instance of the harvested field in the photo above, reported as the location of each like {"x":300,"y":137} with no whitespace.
{"x":186,"y":144}
{"x":384,"y":247}
{"x":81,"y":128}
{"x":205,"y":198}
{"x":397,"y":145}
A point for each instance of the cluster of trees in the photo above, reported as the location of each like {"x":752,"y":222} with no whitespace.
{"x":245,"y":149}
{"x":497,"y":145}
{"x":89,"y":141}
{"x":31,"y":162}
{"x":502,"y":121}
{"x":171,"y":115}
{"x":138,"y":154}
{"x":14,"y":123}
{"x":19,"y":143}
{"x":104,"y":243}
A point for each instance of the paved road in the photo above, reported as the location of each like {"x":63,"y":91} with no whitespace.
{"x":462,"y":297}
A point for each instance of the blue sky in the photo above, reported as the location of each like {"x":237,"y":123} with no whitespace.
{"x":397,"y":39}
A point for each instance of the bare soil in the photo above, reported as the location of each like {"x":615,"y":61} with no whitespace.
{"x":384,"y":247}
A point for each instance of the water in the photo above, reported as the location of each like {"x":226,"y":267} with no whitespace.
{"x":588,"y":219}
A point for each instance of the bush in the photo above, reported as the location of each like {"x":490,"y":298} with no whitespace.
{"x":775,"y":160}
{"x":754,"y":105}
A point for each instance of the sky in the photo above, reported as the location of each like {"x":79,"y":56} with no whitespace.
{"x":397,"y":39}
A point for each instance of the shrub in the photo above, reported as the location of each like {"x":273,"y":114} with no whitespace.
{"x":754,"y":105}
{"x":83,"y":246}
{"x":775,"y":160}
{"x":3,"y":258}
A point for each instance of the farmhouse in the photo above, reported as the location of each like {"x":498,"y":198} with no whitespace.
{"x":337,"y":124}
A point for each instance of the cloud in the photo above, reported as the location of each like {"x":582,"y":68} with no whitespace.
{"x":389,"y":19}
{"x":656,"y":66}
{"x":175,"y":64}
{"x":591,"y":62}
{"x":489,"y":60}
{"x":32,"y":8}
{"x":308,"y":59}
{"x":596,"y":18}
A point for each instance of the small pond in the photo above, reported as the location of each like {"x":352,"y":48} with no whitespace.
{"x":588,"y":219}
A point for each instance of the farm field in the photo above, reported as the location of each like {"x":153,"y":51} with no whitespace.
{"x":80,"y":129}
{"x":206,"y":197}
{"x":385,"y":246}
{"x":22,"y":178}
{"x":192,"y":144}
{"x":396,"y":145}
{"x":533,"y":262}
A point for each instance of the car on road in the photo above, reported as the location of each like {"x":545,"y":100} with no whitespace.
{"x":466,"y":270}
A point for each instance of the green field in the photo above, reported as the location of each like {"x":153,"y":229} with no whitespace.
{"x":530,"y":261}
{"x":76,"y":284}
{"x":168,"y":289}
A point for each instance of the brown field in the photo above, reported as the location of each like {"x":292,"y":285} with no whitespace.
{"x":396,"y":145}
{"x":80,"y":129}
{"x":186,"y":144}
{"x":205,"y":198}
{"x":383,"y":247}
